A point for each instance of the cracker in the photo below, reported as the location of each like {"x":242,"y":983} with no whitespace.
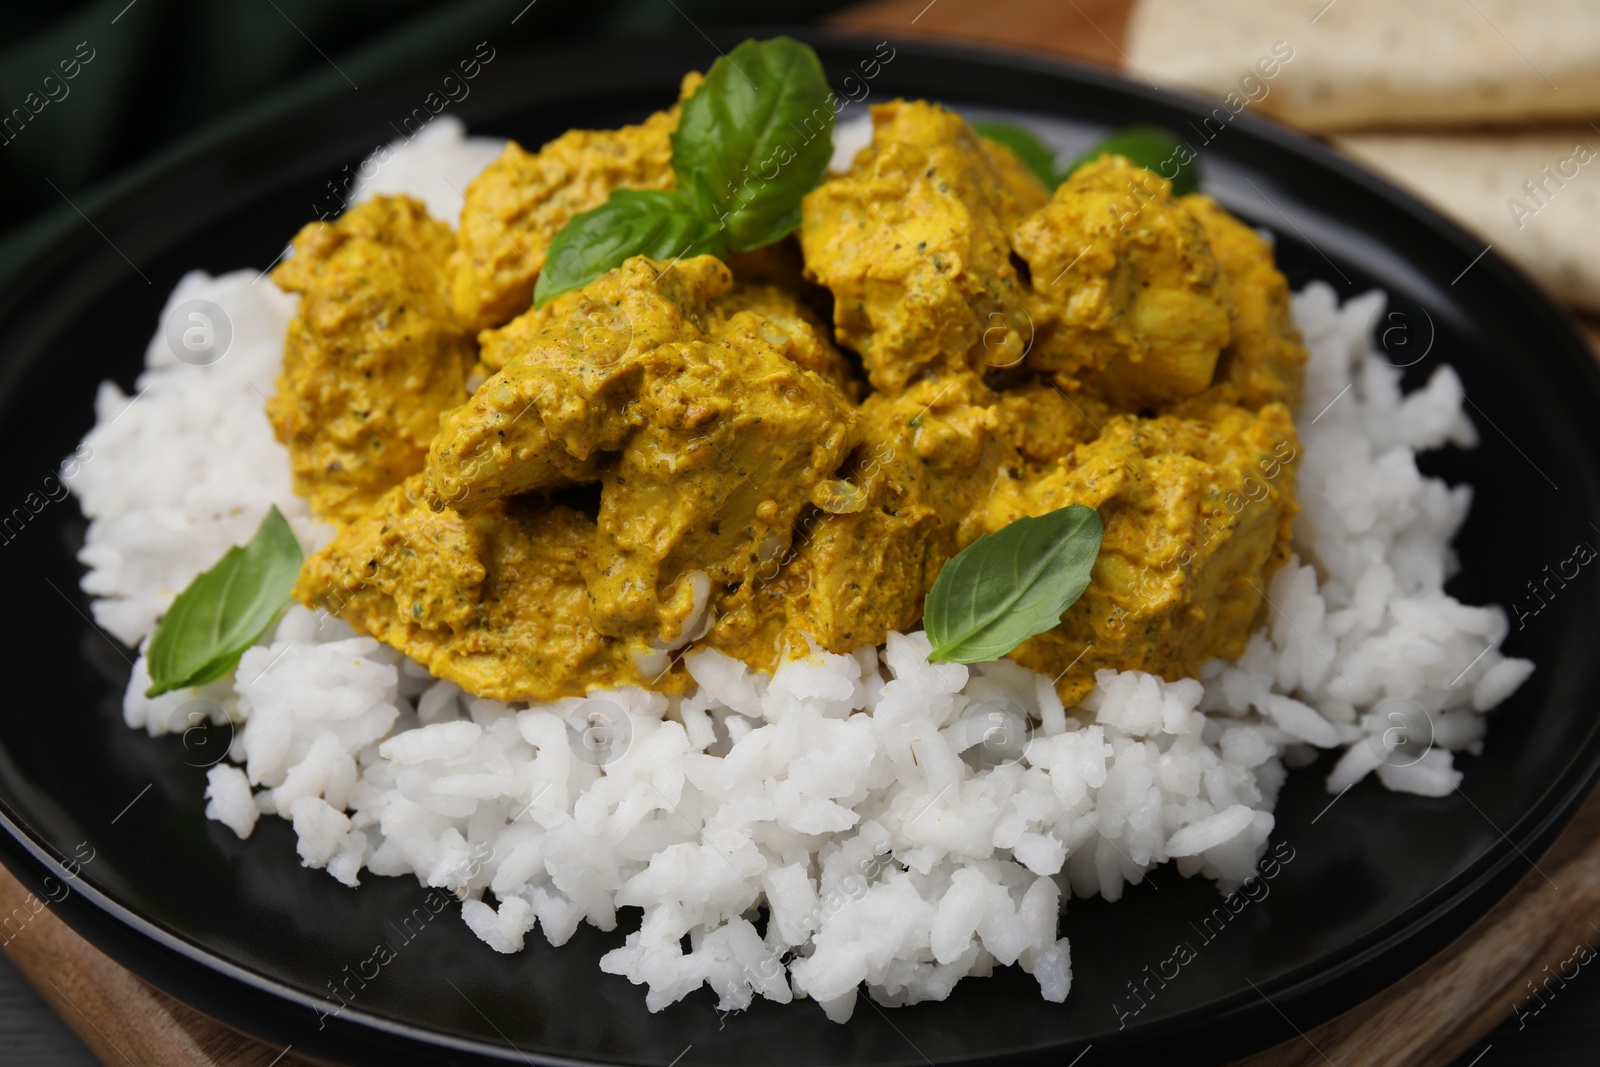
{"x":1368,"y":63}
{"x":1535,"y":196}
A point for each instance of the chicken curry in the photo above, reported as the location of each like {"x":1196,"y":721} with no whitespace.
{"x":772,"y":451}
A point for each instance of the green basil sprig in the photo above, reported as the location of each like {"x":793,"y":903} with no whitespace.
{"x":1011,"y":585}
{"x":224,"y":610}
{"x":661,"y":224}
{"x":755,"y":138}
{"x":751,"y":141}
{"x":1151,"y":147}
{"x":1040,"y":157}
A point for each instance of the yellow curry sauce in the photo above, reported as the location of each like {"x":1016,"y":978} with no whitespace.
{"x":780,"y":451}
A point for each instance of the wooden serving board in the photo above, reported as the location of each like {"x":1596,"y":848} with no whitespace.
{"x":1426,"y":1020}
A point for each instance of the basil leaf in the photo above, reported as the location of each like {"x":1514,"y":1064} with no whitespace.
{"x":1153,"y":148}
{"x":1040,"y":157}
{"x":751,"y":141}
{"x":661,"y":224}
{"x":1011,"y":585}
{"x":755,"y":138}
{"x":225,"y":610}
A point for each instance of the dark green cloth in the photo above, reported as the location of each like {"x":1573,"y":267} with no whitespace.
{"x":153,"y":80}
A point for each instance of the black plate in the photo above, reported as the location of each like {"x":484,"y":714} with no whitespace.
{"x":1376,"y":884}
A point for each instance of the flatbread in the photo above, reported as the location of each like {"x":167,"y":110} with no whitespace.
{"x":1369,"y":63}
{"x":1535,"y":196}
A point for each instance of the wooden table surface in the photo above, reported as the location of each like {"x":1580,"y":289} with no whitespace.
{"x":1442,"y":1011}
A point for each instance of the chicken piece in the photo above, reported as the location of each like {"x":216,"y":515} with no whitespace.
{"x":372,"y":357}
{"x":1130,"y":297}
{"x":1197,"y":517}
{"x":493,"y":601}
{"x":521,"y":200}
{"x":570,"y":391}
{"x":735,"y":438}
{"x":500,"y":346}
{"x":765,"y":313}
{"x":1266,"y":359}
{"x":795,"y":328}
{"x":912,"y":242}
{"x":1048,"y":421}
{"x":1019,"y":179}
{"x":706,"y":436}
{"x":862,"y":565}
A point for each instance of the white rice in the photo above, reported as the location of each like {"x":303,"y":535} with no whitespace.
{"x":855,"y":819}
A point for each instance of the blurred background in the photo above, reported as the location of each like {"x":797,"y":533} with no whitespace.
{"x":148,"y":81}
{"x":1486,"y":108}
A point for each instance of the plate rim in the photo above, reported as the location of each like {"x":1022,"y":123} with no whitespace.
{"x":1432,"y":922}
